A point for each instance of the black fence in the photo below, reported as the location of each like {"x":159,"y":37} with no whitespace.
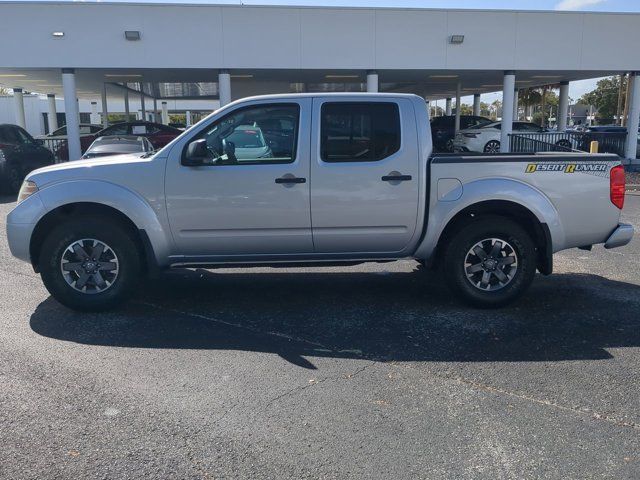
{"x":58,"y":147}
{"x":530,"y":142}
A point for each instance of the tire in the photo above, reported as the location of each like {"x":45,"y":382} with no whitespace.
{"x":95,"y":285}
{"x":465,"y":272}
{"x":13,"y":180}
{"x":492,"y":146}
{"x":449,"y":146}
{"x":563,"y":145}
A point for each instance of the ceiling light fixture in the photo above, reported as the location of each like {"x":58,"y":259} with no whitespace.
{"x":443,"y":76}
{"x":11,"y":75}
{"x":132,"y":35}
{"x":456,"y":39}
{"x":57,"y":34}
{"x":122,"y":75}
{"x":242,"y":76}
{"x":335,"y":77}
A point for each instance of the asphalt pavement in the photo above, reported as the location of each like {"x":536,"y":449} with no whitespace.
{"x":373,"y":371}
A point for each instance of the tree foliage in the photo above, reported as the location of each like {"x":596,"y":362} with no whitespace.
{"x":605,"y":97}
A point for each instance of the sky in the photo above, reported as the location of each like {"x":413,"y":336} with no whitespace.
{"x":570,"y":5}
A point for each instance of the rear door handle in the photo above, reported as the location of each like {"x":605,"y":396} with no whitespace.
{"x":291,"y":180}
{"x":396,"y":178}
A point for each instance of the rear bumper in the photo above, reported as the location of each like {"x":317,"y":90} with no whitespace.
{"x":621,"y":236}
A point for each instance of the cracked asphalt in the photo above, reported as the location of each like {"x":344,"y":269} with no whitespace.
{"x":372,"y":371}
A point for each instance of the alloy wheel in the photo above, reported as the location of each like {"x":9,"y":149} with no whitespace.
{"x":491,"y":264}
{"x":89,"y":266}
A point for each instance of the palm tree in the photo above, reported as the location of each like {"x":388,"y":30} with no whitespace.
{"x":529,"y":97}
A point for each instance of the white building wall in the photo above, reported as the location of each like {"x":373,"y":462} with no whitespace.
{"x":323,"y":38}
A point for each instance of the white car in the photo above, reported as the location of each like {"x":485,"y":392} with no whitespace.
{"x":486,"y":139}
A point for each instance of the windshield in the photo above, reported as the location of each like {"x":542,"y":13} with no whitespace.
{"x":246,"y":138}
{"x":116,"y":147}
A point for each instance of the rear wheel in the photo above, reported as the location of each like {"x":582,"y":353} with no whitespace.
{"x":492,"y":146}
{"x":563,"y":145}
{"x":490,"y":262}
{"x":449,"y":145}
{"x":90,"y":263}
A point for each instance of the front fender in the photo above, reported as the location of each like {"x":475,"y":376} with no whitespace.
{"x":145,"y":215}
{"x":490,"y":189}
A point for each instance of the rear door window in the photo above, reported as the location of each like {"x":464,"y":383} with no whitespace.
{"x":359,"y":132}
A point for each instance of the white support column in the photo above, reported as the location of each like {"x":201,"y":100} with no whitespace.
{"x":224,"y":87}
{"x":187,"y":116}
{"x":458,"y":106}
{"x":165,"y":113}
{"x":155,"y":110}
{"x":71,"y":112}
{"x":19,"y":104}
{"x":126,"y":105}
{"x":515,"y":105}
{"x":634,"y":117}
{"x":372,"y":81}
{"x":448,"y":107}
{"x":95,"y":118}
{"x":105,"y":109}
{"x":476,"y":104}
{"x":563,"y":107}
{"x":508,"y":94}
{"x":52,"y":114}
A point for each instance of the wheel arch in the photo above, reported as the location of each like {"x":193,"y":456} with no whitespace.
{"x":496,"y":196}
{"x":71,"y":210}
{"x":538,"y":231}
{"x":68,"y":199}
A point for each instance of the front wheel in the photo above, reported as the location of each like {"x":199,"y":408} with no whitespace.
{"x":90,"y":263}
{"x":492,"y":146}
{"x":490,"y":262}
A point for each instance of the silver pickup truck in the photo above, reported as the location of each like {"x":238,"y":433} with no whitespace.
{"x":313,"y":179}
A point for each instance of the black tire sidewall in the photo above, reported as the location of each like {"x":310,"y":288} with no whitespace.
{"x":480,"y":229}
{"x":105,"y":230}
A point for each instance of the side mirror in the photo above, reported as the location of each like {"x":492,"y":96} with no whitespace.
{"x":197,"y":153}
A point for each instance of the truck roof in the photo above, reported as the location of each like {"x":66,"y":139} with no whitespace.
{"x":363,"y":95}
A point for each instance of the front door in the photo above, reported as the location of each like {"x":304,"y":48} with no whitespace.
{"x":252,"y":197}
{"x":365,"y":175}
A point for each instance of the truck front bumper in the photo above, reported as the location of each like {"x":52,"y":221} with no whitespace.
{"x":621,"y":236}
{"x":21,"y":222}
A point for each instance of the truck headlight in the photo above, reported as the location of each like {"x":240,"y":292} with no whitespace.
{"x":27,"y":189}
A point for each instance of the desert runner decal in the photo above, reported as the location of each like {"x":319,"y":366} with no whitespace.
{"x":599,"y":169}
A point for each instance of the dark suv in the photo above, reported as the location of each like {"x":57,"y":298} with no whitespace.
{"x":19,"y":154}
{"x":443,"y":129}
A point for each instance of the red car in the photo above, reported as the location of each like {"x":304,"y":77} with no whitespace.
{"x":159,"y":135}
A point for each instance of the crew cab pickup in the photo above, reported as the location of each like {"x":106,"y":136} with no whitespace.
{"x":313,"y":179}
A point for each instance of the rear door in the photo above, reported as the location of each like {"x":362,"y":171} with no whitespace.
{"x":364,"y":175}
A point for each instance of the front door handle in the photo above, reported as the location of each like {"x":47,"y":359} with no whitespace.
{"x":291,"y":180}
{"x":396,"y":178}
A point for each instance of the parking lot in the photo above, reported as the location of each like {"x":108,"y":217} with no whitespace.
{"x":372,"y":371}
